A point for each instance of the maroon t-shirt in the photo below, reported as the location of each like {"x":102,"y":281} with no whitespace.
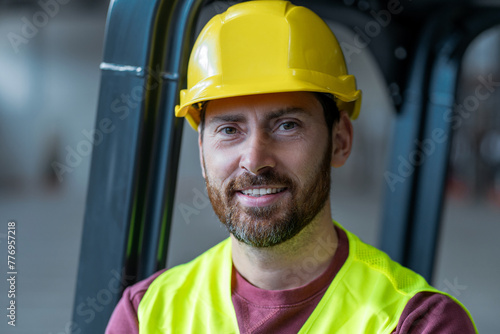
{"x":286,"y":311}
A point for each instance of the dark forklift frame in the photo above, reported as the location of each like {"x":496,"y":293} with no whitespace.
{"x":134,"y":169}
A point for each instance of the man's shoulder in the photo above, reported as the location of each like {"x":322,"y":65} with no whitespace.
{"x":135,"y":292}
{"x":429,"y":312}
{"x":124,"y":317}
{"x":205,"y":259}
{"x":369,"y":260}
{"x":181,"y":277}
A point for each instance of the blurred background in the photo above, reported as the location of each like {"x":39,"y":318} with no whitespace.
{"x":49,"y":85}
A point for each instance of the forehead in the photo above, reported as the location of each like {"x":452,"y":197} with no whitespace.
{"x":264,"y":105}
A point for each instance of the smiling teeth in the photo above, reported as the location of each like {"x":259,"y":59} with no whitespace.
{"x":261,"y":191}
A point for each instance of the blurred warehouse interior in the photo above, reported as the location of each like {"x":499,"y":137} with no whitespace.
{"x":48,"y":96}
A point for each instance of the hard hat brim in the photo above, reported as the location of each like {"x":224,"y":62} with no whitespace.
{"x":207,"y":90}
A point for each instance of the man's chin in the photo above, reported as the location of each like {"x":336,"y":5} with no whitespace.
{"x":259,"y":241}
{"x":263,"y":233}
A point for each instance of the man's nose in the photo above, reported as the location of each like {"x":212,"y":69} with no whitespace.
{"x":258,"y":153}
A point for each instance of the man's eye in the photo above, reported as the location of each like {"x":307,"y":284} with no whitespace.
{"x":229,"y":130}
{"x":288,"y":125}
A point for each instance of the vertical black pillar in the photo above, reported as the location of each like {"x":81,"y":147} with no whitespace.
{"x":105,"y":266}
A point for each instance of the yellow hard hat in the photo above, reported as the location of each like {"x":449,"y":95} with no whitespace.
{"x":260,"y":47}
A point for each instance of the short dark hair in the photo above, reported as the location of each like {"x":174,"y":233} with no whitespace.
{"x":330,"y":111}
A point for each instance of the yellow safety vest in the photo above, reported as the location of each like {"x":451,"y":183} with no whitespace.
{"x":367,"y":295}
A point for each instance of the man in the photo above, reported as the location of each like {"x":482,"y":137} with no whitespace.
{"x":269,"y":94}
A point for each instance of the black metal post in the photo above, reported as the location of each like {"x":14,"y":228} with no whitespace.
{"x":421,"y":145}
{"x":107,"y":258}
{"x":400,"y":175}
{"x":167,"y":141}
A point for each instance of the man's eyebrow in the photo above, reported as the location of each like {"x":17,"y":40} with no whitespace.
{"x":233,"y":118}
{"x":282,"y":112}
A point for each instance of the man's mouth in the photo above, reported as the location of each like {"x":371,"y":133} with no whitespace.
{"x":261,"y":191}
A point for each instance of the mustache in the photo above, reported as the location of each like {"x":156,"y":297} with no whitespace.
{"x":268,"y":177}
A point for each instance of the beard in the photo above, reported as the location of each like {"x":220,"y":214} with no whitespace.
{"x":273,"y":224}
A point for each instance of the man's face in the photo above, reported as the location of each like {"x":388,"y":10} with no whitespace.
{"x":266,"y":161}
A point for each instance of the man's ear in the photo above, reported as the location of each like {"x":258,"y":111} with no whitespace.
{"x":200,"y":148}
{"x":342,"y":134}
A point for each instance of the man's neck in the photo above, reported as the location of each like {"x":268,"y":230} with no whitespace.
{"x":292,"y":263}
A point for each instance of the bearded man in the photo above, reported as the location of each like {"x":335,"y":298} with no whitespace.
{"x":270,"y":96}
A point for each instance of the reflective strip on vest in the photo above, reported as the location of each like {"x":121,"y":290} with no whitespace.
{"x":367,"y":295}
